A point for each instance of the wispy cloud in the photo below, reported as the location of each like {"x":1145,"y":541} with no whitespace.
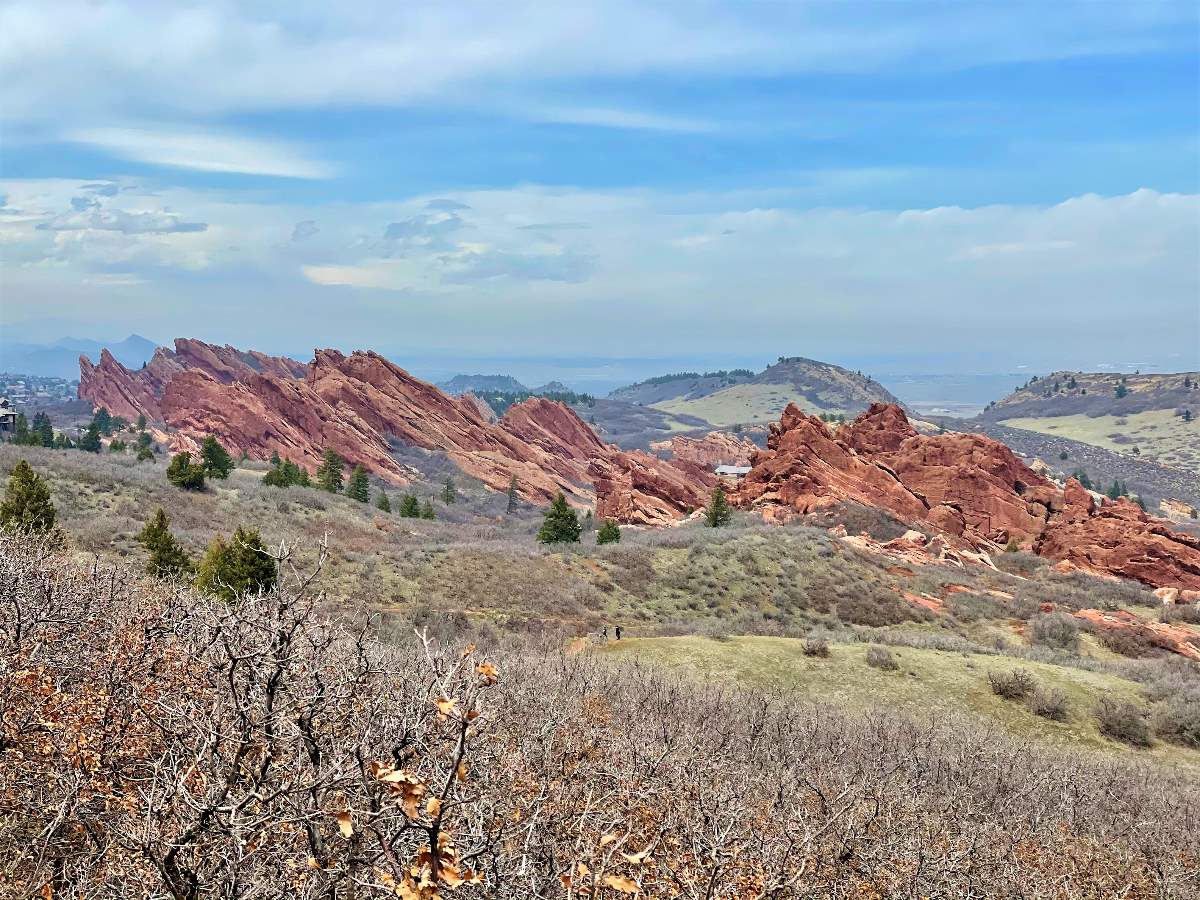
{"x":203,"y":152}
{"x":622,"y":118}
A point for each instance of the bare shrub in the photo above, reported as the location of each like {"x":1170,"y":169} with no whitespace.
{"x":159,"y":743}
{"x":881,"y":658}
{"x":1123,"y":720}
{"x":1126,"y":643}
{"x":1178,"y":721}
{"x":815,"y":646}
{"x":1056,"y":630}
{"x":1049,"y":703}
{"x":1014,"y":685}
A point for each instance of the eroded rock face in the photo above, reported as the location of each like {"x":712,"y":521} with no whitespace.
{"x":1119,"y":539}
{"x":640,"y":489}
{"x":132,"y":393}
{"x":1175,"y":638}
{"x":972,"y":490}
{"x":357,"y":405}
{"x":717,"y":448}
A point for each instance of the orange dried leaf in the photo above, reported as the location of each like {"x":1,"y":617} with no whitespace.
{"x":344,"y":823}
{"x":433,"y":806}
{"x":624,"y":885}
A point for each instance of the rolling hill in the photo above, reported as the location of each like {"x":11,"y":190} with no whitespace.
{"x":1152,"y":417}
{"x":740,"y":397}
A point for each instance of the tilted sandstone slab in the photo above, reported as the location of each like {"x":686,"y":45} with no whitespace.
{"x":717,"y":448}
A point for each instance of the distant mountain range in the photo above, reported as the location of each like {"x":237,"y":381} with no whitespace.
{"x":478,"y":384}
{"x":61,"y":358}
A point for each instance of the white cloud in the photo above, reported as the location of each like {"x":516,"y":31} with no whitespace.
{"x":649,"y":267}
{"x":202,"y":152}
{"x":123,"y":59}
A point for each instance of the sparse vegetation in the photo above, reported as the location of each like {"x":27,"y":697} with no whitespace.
{"x":1123,"y":720}
{"x":881,"y":658}
{"x":1015,"y":685}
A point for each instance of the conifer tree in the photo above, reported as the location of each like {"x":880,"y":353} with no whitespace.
{"x":588,"y":521}
{"x":20,"y":429}
{"x":242,"y":566}
{"x":561,"y":525}
{"x":719,"y":514}
{"x":103,"y":421}
{"x":329,"y":474}
{"x":382,"y":503}
{"x":427,"y":510}
{"x":26,"y":505}
{"x":183,"y":473}
{"x":144,"y":453}
{"x":167,"y":557}
{"x":609,"y":533}
{"x":358,"y":487}
{"x":141,"y":422}
{"x":215,"y":459}
{"x":91,"y":440}
{"x":449,"y":491}
{"x":45,"y":431}
{"x":275,"y":460}
{"x":410,"y":507}
{"x":513,"y":497}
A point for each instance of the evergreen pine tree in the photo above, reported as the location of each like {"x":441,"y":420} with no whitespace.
{"x":410,"y":507}
{"x":144,"y":453}
{"x":242,"y":566}
{"x":215,"y":459}
{"x":329,"y":474}
{"x":183,"y":473}
{"x":167,"y":557}
{"x":382,"y":503}
{"x":103,"y":421}
{"x":512,"y":496}
{"x":609,"y":533}
{"x":719,"y":514}
{"x":275,"y":460}
{"x":91,"y":440}
{"x":302,"y":478}
{"x":561,"y":525}
{"x":20,"y":429}
{"x":427,"y":510}
{"x":141,"y":422}
{"x":449,"y":492}
{"x":588,"y":521}
{"x":45,"y":431}
{"x":358,"y":487}
{"x":26,"y":504}
{"x":1121,"y":391}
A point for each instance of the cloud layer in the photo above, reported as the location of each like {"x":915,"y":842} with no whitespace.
{"x":633,"y":270}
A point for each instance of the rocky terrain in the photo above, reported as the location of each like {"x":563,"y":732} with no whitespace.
{"x":970,"y":490}
{"x":358,"y":405}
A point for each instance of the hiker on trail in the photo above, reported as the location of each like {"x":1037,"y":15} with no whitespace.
{"x":618,"y":632}
{"x":604,"y":632}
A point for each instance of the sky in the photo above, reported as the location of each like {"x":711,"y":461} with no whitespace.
{"x":946,"y":187}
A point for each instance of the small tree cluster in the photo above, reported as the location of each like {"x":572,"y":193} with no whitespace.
{"x":26,"y":505}
{"x":285,"y":473}
{"x":329,"y":473}
{"x":185,"y":474}
{"x":609,"y":533}
{"x":167,"y":558}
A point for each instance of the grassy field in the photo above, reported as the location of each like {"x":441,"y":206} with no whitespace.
{"x":745,"y":404}
{"x":928,"y":682}
{"x":1158,"y":434}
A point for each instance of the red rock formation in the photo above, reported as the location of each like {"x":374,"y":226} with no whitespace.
{"x":264,"y":415}
{"x":639,"y":489}
{"x":805,"y":468}
{"x":130,"y":394}
{"x":971,"y":489}
{"x":1175,"y":638}
{"x":1119,"y":539}
{"x":717,"y":448}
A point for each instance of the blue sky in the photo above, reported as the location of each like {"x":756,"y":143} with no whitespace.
{"x":841,"y":180}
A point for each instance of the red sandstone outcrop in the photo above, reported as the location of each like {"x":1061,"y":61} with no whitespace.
{"x":132,"y":393}
{"x":717,"y":448}
{"x":359,"y":404}
{"x":640,"y":489}
{"x":1119,"y":539}
{"x":1175,"y":638}
{"x":971,"y":489}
